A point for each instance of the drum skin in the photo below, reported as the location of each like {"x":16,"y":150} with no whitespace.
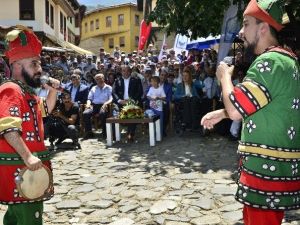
{"x":35,"y":185}
{"x":25,"y":112}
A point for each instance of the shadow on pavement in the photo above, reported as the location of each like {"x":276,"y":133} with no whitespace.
{"x":190,"y":152}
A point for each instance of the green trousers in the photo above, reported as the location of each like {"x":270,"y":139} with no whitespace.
{"x":24,"y":214}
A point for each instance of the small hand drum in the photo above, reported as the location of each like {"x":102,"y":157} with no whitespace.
{"x":34,"y":185}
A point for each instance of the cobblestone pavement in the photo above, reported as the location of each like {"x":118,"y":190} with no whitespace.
{"x":182,"y":181}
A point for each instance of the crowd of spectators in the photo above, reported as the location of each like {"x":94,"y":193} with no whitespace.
{"x":179,"y":88}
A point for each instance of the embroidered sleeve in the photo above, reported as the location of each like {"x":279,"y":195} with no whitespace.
{"x":249,"y":96}
{"x":43,"y":106}
{"x":11,"y":108}
{"x":261,"y":85}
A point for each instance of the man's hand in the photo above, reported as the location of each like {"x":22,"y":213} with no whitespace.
{"x":88,"y":106}
{"x":123,"y":102}
{"x":32,"y":162}
{"x":54,"y":84}
{"x":224,"y":70}
{"x":210,"y":119}
{"x":56,"y":113}
{"x":103,"y":108}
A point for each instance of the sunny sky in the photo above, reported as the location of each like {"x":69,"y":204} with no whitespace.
{"x":103,"y":2}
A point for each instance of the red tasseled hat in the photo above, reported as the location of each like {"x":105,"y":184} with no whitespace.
{"x":269,"y":11}
{"x":22,"y":43}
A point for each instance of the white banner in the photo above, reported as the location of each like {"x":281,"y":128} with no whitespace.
{"x":180,"y":43}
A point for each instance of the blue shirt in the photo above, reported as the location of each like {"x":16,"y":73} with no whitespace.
{"x":99,"y":95}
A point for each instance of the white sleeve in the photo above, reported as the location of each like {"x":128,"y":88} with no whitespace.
{"x":150,"y":92}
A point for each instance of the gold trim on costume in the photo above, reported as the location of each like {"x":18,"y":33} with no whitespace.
{"x":43,"y":107}
{"x":269,"y":152}
{"x":259,"y":95}
{"x":10,"y":122}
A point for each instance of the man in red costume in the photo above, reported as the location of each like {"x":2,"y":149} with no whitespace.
{"x":21,"y":126}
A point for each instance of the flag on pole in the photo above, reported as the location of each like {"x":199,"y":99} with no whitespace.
{"x":144,"y":34}
{"x":162,"y":48}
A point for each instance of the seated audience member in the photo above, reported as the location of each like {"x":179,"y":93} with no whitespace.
{"x":79,"y":92}
{"x":125,"y":88}
{"x":63,"y":122}
{"x":156,"y":96}
{"x":99,"y":98}
{"x":187,"y":98}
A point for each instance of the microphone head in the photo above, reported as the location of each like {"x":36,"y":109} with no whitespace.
{"x":228,"y":60}
{"x":44,"y":79}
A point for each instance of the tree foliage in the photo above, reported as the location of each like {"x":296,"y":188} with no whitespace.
{"x":199,"y":18}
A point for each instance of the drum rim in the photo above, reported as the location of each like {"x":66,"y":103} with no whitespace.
{"x":50,"y":185}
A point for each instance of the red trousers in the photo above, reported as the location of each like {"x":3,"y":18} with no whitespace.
{"x":253,"y":216}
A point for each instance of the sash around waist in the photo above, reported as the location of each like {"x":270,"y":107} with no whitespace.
{"x":15,"y":159}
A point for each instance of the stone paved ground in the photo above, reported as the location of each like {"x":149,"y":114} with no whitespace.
{"x":182,"y":181}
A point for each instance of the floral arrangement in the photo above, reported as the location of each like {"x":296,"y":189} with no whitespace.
{"x":131,"y":111}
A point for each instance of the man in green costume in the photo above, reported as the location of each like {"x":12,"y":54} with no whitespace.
{"x":268,"y":102}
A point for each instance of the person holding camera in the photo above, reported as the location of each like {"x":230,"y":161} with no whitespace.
{"x":63,"y":121}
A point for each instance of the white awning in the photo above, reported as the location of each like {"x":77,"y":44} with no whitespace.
{"x":77,"y":49}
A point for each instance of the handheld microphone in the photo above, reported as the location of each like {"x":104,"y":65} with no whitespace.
{"x":228,"y":60}
{"x":46,"y":80}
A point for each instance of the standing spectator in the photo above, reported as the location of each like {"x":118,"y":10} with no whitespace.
{"x":169,"y":93}
{"x":62,"y":63}
{"x":267,"y":101}
{"x":90,"y":65}
{"x":210,"y":91}
{"x":80,"y":64}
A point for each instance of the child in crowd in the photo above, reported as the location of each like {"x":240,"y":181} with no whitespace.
{"x":156,"y":96}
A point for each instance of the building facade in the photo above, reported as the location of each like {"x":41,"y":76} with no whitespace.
{"x":111,"y":26}
{"x":54,"y":21}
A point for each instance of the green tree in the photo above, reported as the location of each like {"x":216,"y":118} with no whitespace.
{"x":200,"y":17}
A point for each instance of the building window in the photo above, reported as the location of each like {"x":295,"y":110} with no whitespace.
{"x":61,"y":22}
{"x":122,"y":41}
{"x":85,"y":27}
{"x":111,"y":43}
{"x":26,"y":9}
{"x":97,"y":24}
{"x":65,"y":28}
{"x":52,"y":16}
{"x":47,"y":12}
{"x":136,"y":41}
{"x":121,"y":19}
{"x":92,"y":25}
{"x":137,"y":20}
{"x":108,"y":21}
{"x":71,"y":20}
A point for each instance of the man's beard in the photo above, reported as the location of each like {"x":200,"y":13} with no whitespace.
{"x":34,"y":81}
{"x":250,"y":50}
